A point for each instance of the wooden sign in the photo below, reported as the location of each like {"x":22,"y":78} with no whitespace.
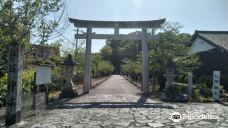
{"x":43,"y":75}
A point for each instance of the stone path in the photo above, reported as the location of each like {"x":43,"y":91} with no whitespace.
{"x":117,"y":103}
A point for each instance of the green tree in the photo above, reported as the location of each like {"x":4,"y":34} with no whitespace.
{"x":21,"y":20}
{"x":131,"y":67}
{"x":127,"y":55}
{"x":171,"y":45}
{"x":100,"y":67}
{"x":106,"y":51}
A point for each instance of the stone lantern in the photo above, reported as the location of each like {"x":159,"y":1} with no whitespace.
{"x":170,"y":73}
{"x":68,"y":90}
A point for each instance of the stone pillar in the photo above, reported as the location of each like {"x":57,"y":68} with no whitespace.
{"x":216,"y":85}
{"x":14,"y":87}
{"x":87,"y":71}
{"x":190,"y":84}
{"x":145,"y":58}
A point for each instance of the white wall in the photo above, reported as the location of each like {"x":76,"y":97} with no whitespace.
{"x":200,"y":45}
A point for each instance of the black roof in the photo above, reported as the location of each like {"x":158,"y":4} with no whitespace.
{"x":218,"y":39}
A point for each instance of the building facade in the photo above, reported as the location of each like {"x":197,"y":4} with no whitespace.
{"x":43,"y":51}
{"x":212,"y":49}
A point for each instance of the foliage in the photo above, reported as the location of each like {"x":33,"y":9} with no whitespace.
{"x":116,"y":51}
{"x":171,"y":45}
{"x":21,"y":20}
{"x":3,"y":87}
{"x":79,"y":76}
{"x":221,"y":90}
{"x":126,"y":56}
{"x":224,"y":81}
{"x":105,"y":67}
{"x":27,"y":80}
{"x":101,"y":67}
{"x":207,"y":79}
{"x":176,"y":90}
{"x":106,"y":51}
{"x":196,"y":95}
{"x":27,"y":84}
{"x":131,"y":67}
{"x":57,"y":76}
{"x":186,"y":64}
{"x":206,"y":92}
{"x":79,"y":69}
{"x":203,"y":91}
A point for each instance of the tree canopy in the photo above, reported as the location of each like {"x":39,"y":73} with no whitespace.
{"x":21,"y":20}
{"x":126,"y":56}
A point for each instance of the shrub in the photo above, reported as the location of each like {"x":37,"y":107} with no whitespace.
{"x":201,"y":85}
{"x":224,"y":81}
{"x":79,"y":74}
{"x":206,"y":92}
{"x":221,"y":90}
{"x":175,"y":90}
{"x":203,"y":90}
{"x":27,"y":80}
{"x":58,"y":78}
{"x":207,"y":79}
{"x":196,"y":95}
{"x":3,"y":87}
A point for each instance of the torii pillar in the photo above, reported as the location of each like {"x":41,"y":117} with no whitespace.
{"x":145,"y":62}
{"x":87,"y":70}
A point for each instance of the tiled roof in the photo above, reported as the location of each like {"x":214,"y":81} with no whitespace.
{"x":216,"y":38}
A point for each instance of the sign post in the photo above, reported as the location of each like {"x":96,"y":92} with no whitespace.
{"x":43,"y":77}
{"x":216,"y":84}
{"x":14,"y":87}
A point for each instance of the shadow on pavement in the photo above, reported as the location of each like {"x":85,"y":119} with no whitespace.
{"x":141,"y":103}
{"x":61,"y":101}
{"x":88,"y":105}
{"x":223,"y":103}
{"x":142,"y":100}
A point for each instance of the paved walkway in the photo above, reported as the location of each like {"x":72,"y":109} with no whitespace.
{"x":117,"y":103}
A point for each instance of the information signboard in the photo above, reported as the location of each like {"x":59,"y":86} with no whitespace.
{"x":43,"y":75}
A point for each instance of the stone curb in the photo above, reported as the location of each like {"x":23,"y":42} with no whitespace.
{"x":97,"y":84}
{"x":132,"y":82}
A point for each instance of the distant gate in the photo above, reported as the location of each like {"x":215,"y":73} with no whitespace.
{"x":144,"y":36}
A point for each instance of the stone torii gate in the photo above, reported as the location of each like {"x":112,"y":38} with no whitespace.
{"x":116,"y":25}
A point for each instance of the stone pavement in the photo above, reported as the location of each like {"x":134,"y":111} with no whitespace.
{"x":117,"y":103}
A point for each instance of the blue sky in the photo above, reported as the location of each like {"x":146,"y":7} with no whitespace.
{"x":192,"y":14}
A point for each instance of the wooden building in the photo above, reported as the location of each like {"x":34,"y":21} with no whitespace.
{"x":43,"y":51}
{"x":212,"y":48}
